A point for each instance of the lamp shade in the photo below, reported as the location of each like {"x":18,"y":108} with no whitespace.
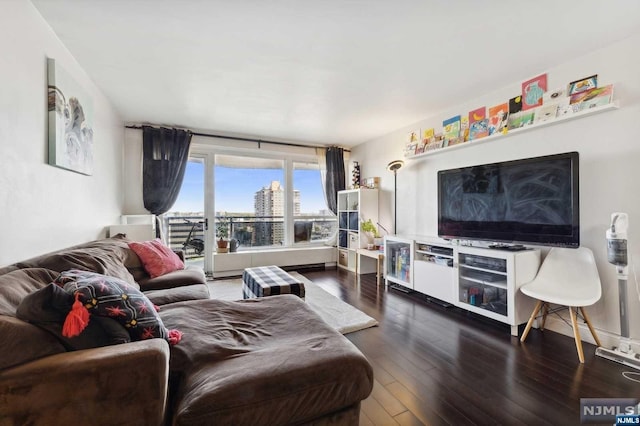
{"x":395,"y":165}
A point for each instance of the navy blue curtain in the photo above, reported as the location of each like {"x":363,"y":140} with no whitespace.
{"x":335,"y":176}
{"x":165,"y":155}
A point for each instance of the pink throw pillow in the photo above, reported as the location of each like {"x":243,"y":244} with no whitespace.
{"x":156,"y":258}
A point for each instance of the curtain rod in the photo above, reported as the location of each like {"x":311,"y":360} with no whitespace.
{"x":237,"y":138}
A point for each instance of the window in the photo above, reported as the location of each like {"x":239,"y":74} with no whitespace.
{"x":184,"y":223}
{"x":256,"y":205}
{"x":250,"y":200}
{"x":312,"y":220}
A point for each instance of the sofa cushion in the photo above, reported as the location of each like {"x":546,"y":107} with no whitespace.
{"x":178,"y":294}
{"x":17,"y":284}
{"x":188,"y":276}
{"x":22,"y":342}
{"x":48,"y":307}
{"x":261,"y":361}
{"x":157,"y":258}
{"x":107,"y":256}
{"x":113,"y":298}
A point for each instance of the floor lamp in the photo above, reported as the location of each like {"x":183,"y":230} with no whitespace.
{"x":394,"y":166}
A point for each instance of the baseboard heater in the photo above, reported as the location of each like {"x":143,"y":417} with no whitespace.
{"x":290,"y":268}
{"x":231,"y":264}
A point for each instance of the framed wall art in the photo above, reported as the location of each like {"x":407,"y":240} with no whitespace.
{"x":70,"y":122}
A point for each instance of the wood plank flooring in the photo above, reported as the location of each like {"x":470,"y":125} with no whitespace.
{"x":445,"y":366}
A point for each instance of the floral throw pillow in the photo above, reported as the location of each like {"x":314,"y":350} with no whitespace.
{"x":156,"y":258}
{"x":97,"y":294}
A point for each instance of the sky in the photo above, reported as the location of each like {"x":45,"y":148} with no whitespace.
{"x":235,"y":188}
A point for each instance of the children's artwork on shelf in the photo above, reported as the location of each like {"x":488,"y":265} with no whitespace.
{"x":413,"y":137}
{"x":427,"y":137}
{"x":593,"y":98}
{"x":476,"y":115}
{"x":565,"y":108}
{"x":479,"y":129}
{"x":583,"y":85}
{"x":515,"y":104}
{"x":464,"y":128}
{"x":520,"y":119}
{"x":527,"y":117}
{"x":546,"y":113}
{"x":436,"y":143}
{"x":553,"y":96}
{"x":451,"y":130}
{"x":498,"y":118}
{"x":532,"y":92}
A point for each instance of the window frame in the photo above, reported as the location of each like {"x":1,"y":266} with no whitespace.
{"x":209,"y":151}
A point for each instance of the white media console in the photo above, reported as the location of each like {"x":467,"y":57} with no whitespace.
{"x":479,"y":279}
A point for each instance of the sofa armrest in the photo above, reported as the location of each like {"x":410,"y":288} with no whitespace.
{"x":180,"y":254}
{"x":121,"y":384}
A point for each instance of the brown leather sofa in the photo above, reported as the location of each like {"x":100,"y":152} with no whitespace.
{"x":265,"y":361}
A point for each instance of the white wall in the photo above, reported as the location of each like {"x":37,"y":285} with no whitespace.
{"x":44,"y":208}
{"x":609,"y":147}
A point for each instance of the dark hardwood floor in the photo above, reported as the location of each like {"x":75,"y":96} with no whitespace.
{"x":436,"y":365}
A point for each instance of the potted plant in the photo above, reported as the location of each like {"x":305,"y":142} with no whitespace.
{"x":370,"y":231}
{"x":222,"y":233}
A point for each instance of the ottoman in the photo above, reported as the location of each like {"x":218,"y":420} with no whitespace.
{"x":265,"y":281}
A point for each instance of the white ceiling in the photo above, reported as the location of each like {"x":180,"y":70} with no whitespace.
{"x":325,"y":71}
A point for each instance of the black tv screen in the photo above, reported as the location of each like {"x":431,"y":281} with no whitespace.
{"x":533,"y":200}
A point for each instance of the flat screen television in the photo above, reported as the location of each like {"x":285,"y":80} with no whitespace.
{"x":533,"y":200}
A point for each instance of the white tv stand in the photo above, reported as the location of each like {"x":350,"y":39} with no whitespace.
{"x":479,"y":279}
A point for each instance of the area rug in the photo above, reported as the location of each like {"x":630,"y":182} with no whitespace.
{"x":338,"y":314}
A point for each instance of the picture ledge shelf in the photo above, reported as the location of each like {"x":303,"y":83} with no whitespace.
{"x":580,"y":114}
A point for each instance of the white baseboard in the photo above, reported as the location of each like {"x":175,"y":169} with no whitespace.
{"x":607,"y":339}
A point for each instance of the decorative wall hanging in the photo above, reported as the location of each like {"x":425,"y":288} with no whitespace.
{"x":70,"y":122}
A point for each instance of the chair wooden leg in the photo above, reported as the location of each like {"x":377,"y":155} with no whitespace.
{"x":576,"y":334}
{"x":545,"y":312}
{"x":591,"y":329}
{"x":531,"y":319}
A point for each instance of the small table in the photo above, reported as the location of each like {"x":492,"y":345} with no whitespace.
{"x":374,"y":254}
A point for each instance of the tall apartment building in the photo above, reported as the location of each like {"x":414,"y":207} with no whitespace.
{"x":269,"y":203}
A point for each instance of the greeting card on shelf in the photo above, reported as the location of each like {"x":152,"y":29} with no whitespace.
{"x":532,"y":92}
{"x":498,"y":116}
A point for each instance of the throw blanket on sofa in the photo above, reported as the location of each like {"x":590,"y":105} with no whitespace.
{"x":243,"y":359}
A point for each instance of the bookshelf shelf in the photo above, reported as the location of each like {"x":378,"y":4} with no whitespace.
{"x":580,"y":114}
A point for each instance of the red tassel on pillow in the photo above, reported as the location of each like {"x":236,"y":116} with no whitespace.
{"x":76,"y":320}
{"x":175,"y":336}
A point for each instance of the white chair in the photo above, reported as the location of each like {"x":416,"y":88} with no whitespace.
{"x":567,"y":277}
